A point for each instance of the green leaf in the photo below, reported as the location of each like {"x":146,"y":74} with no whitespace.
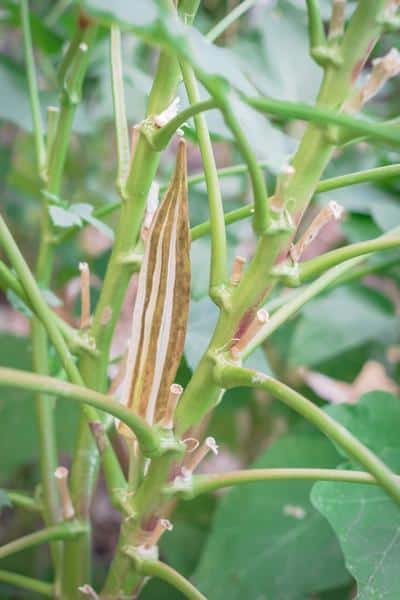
{"x":375,"y":419}
{"x":283,"y":28}
{"x":267,"y":540}
{"x":64,"y":218}
{"x":84,"y":211}
{"x":75,"y":216}
{"x":343,"y":319}
{"x":14,"y":105}
{"x":156,"y":25}
{"x":365,"y":519}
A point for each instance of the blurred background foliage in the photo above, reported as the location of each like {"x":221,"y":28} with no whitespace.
{"x":341,"y":346}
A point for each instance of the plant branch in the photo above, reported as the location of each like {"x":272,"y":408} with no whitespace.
{"x":315,"y":25}
{"x":230,"y":375}
{"x":369,"y":175}
{"x":156,"y":568}
{"x":39,"y":305}
{"x":63,"y":531}
{"x":27,"y":583}
{"x":218,"y":266}
{"x":229,"y":19}
{"x":121,"y":125}
{"x":33,"y":89}
{"x":309,"y":162}
{"x":161,"y":137}
{"x":75,"y":341}
{"x":291,"y":307}
{"x":202,"y":484}
{"x":148,"y":438}
{"x":315,"y":266}
{"x":71,"y":72}
{"x":322,"y":116}
{"x":261,"y":218}
{"x":23,"y":501}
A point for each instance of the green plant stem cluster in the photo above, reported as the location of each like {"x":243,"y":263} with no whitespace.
{"x":218,"y":370}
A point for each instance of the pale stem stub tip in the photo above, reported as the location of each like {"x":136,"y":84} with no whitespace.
{"x":237,"y":270}
{"x":260,"y":319}
{"x":61,"y":475}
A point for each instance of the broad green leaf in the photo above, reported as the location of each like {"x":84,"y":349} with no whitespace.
{"x":367,"y":524}
{"x":375,"y":419}
{"x":14,"y":105}
{"x":365,"y":519}
{"x":267,"y":540}
{"x":154,"y":24}
{"x":343,"y":319}
{"x":283,"y":28}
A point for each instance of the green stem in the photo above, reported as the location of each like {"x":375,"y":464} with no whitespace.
{"x":233,"y":376}
{"x":94,"y":369}
{"x":72,"y":336}
{"x":121,"y":125}
{"x":312,"y":156}
{"x":42,"y":310}
{"x":62,"y":531}
{"x":202,"y":484}
{"x":27,"y":583}
{"x":261,"y":209}
{"x":230,"y":18}
{"x":321,"y":116}
{"x":156,"y":568}
{"x":315,"y":266}
{"x":316,"y":31}
{"x":218,"y":266}
{"x":368,"y":176}
{"x":148,"y":438}
{"x":33,"y":88}
{"x":161,"y":137}
{"x":44,"y":409}
{"x":73,"y":70}
{"x":291,"y":307}
{"x":23,"y":501}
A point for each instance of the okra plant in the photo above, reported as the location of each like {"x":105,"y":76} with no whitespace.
{"x":319,"y":516}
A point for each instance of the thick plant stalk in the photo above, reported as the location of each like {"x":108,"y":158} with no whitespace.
{"x":50,"y":169}
{"x":314,"y":152}
{"x":159,"y":324}
{"x":119,"y":270}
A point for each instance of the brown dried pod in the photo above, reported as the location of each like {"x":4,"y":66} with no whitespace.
{"x":162,"y":303}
